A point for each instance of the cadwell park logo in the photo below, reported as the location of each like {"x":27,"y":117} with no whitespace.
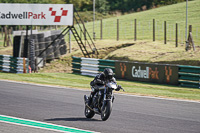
{"x":123,"y":69}
{"x":58,"y":17}
{"x":168,"y":73}
{"x":147,"y":73}
{"x":23,"y":15}
{"x":156,"y":73}
{"x":35,"y":16}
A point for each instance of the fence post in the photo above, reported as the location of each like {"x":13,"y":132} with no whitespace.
{"x":190,"y":28}
{"x":5,"y":38}
{"x":154,"y":30}
{"x":26,"y":44}
{"x":117,"y":29}
{"x":84,"y":31}
{"x":165,"y":32}
{"x":135,"y":33}
{"x":9,"y":38}
{"x":101,"y":29}
{"x":32,"y":54}
{"x":70,"y":48}
{"x":2,"y":31}
{"x":176,"y":35}
{"x":191,"y":38}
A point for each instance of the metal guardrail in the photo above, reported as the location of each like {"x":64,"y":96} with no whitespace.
{"x":13,"y":64}
{"x":189,"y":76}
{"x":91,"y":66}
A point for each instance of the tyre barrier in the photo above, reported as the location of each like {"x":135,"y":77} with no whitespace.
{"x":32,"y":54}
{"x":16,"y":47}
{"x":35,"y":38}
{"x":63,"y":49}
{"x":56,"y":46}
{"x":41,"y":42}
{"x":13,"y":64}
{"x":49,"y":51}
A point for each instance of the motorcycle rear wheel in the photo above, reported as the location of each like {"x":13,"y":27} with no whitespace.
{"x":105,"y":113}
{"x":88,"y":113}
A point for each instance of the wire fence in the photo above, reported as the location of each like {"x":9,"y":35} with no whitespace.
{"x":142,"y":30}
{"x":120,"y":29}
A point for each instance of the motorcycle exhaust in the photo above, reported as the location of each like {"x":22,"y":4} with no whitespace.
{"x":86,"y":101}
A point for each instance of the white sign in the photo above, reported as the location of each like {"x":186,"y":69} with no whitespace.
{"x":139,"y":73}
{"x":36,"y":14}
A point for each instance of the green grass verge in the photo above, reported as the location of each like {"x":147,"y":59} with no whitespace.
{"x":78,"y":81}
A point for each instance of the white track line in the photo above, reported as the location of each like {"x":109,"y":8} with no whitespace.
{"x":41,"y":123}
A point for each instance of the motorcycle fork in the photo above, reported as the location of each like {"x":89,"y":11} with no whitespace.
{"x":100,"y":98}
{"x":108,"y":96}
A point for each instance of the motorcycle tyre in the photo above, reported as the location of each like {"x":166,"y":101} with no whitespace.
{"x":107,"y":111}
{"x":88,"y":113}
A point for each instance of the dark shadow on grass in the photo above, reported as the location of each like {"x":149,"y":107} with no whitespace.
{"x":71,"y":119}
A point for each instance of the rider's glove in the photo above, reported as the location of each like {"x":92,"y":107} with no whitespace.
{"x":92,"y":83}
{"x":98,"y":81}
{"x":118,"y":87}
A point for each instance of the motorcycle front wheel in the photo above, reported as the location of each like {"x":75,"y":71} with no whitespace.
{"x":88,"y":113}
{"x":106,"y":111}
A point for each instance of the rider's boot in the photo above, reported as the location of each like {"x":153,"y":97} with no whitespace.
{"x":90,"y":99}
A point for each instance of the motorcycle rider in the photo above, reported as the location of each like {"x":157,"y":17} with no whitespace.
{"x":99,"y":80}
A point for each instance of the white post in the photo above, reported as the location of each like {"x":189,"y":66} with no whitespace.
{"x":20,"y":44}
{"x":70,"y":48}
{"x":186,"y":26}
{"x":93,"y":19}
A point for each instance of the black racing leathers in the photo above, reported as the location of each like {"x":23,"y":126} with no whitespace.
{"x":100,"y":79}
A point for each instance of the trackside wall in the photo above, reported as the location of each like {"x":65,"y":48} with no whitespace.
{"x":184,"y":76}
{"x":13,"y":64}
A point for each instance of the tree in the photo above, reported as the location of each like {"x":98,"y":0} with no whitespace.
{"x":80,"y":4}
{"x":102,"y":6}
{"x":34,"y":1}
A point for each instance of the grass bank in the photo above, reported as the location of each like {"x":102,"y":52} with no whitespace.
{"x":78,"y":81}
{"x":130,"y":50}
{"x":172,"y":14}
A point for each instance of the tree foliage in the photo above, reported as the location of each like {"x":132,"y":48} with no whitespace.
{"x":104,"y":6}
{"x":34,"y":1}
{"x":134,"y":5}
{"x":82,"y":5}
{"x":120,"y":5}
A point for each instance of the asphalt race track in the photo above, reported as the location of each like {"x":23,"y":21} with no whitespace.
{"x":64,"y":106}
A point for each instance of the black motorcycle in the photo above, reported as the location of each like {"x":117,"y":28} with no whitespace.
{"x":102,"y":101}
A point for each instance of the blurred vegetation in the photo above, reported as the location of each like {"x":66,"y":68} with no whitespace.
{"x":34,"y":1}
{"x":105,"y":6}
{"x":138,"y":5}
